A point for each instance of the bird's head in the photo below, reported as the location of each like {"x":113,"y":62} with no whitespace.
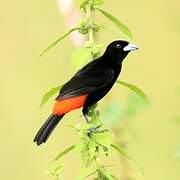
{"x":119,"y":49}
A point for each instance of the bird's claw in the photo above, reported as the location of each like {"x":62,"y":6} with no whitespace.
{"x":95,"y":130}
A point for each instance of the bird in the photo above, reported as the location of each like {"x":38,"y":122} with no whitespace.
{"x":89,"y":85}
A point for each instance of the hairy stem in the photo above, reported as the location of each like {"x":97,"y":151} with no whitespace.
{"x":90,"y":28}
{"x":91,"y":42}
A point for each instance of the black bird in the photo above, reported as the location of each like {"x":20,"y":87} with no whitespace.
{"x":89,"y":85}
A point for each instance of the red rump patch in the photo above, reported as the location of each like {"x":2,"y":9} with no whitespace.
{"x":66,"y":105}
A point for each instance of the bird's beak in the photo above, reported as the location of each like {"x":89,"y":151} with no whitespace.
{"x":130,"y":47}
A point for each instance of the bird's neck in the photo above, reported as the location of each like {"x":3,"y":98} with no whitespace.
{"x":114,"y":59}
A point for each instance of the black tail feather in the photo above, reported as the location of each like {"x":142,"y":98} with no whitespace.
{"x":47,"y":128}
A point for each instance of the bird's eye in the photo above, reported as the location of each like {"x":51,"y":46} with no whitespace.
{"x":118,"y":46}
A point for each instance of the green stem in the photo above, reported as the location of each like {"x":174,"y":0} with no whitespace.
{"x":91,"y":42}
{"x":90,"y":29}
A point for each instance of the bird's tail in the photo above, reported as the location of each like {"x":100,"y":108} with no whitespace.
{"x":47,"y":128}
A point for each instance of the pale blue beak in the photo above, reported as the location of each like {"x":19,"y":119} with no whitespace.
{"x":130,"y":47}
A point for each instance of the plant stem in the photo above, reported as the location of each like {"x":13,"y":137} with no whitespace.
{"x":91,"y":42}
{"x":90,"y":29}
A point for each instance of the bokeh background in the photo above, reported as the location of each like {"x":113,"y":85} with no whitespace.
{"x":152,"y":135}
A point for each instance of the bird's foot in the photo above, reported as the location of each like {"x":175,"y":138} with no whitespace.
{"x":85,"y":112}
{"x":86,"y":118}
{"x":96,"y":130}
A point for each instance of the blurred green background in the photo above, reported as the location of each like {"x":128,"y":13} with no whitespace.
{"x":26,"y":27}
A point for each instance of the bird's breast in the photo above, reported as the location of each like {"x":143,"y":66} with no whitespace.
{"x":98,"y":94}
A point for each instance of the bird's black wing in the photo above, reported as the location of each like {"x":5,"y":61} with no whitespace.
{"x":86,"y":82}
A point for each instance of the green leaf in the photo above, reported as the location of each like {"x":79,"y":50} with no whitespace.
{"x":64,"y":152}
{"x":124,"y":29}
{"x":97,"y":2}
{"x":105,"y":174}
{"x":58,"y":40}
{"x":126,"y":154}
{"x":58,"y":169}
{"x":80,"y":57}
{"x":85,"y":173}
{"x":106,"y":150}
{"x":49,"y":94}
{"x":105,"y":138}
{"x":134,"y":88}
{"x":94,"y":3}
{"x":55,"y":171}
{"x":84,"y":4}
{"x":92,"y":173}
{"x":120,"y":150}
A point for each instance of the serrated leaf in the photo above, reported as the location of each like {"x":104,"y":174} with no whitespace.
{"x":64,"y":152}
{"x":58,"y":40}
{"x":49,"y":94}
{"x":135,"y":89}
{"x":123,"y":152}
{"x":124,"y":29}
